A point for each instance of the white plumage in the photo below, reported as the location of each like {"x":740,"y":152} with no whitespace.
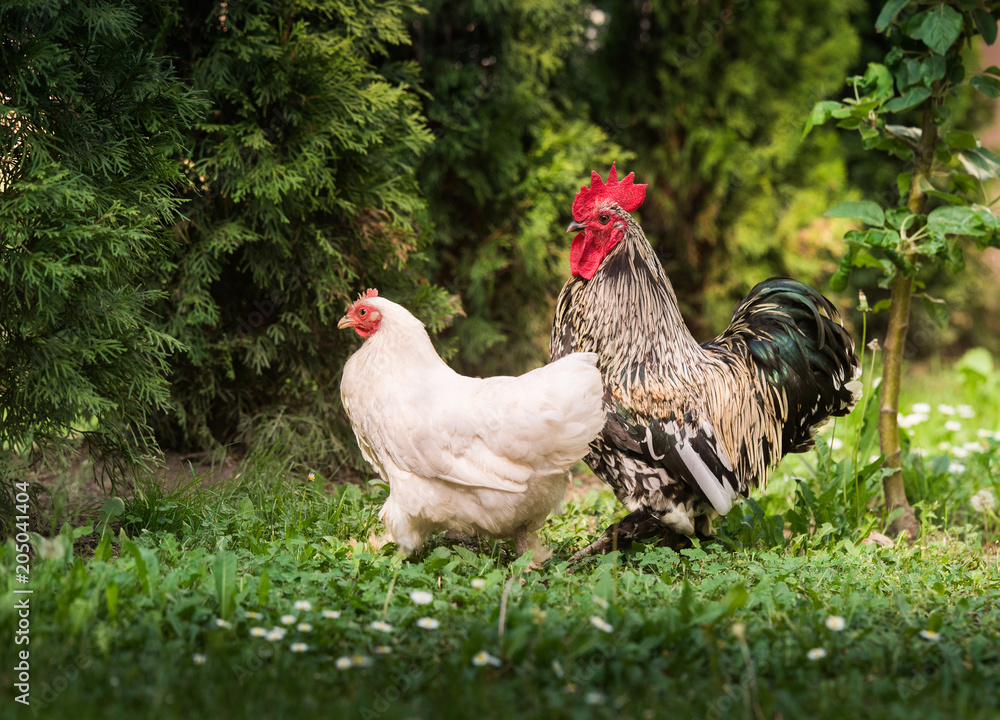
{"x":478,"y":456}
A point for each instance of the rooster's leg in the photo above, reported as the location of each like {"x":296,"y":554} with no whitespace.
{"x":637,"y":526}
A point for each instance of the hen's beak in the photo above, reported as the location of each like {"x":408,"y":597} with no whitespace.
{"x":345,"y":322}
{"x":576,"y":227}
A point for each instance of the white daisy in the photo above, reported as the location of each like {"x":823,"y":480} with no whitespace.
{"x":304,"y":627}
{"x":343,"y":663}
{"x":477,"y":583}
{"x":956,"y":468}
{"x":383,"y":650}
{"x":835,"y":623}
{"x":836,"y":443}
{"x":594,"y":698}
{"x":310,"y":477}
{"x":258,"y":632}
{"x":960,"y":452}
{"x":601,"y":624}
{"x":484,"y":658}
{"x":557,"y":669}
{"x":381,"y":626}
{"x":331,"y":614}
{"x":984,"y":434}
{"x":253,"y":615}
{"x":944,"y":445}
{"x":965,"y":411}
{"x":932,"y":635}
{"x":276,"y":634}
{"x":303,"y":605}
{"x":288,"y":619}
{"x":428,"y":623}
{"x":223,"y":623}
{"x":421,"y":597}
{"x":360,"y":660}
{"x":198,"y":659}
{"x":922,"y":408}
{"x":953,"y":426}
{"x":600,"y":602}
{"x":816,"y":654}
{"x":298,"y":647}
{"x":946,"y":409}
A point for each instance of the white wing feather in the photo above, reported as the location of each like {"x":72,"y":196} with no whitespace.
{"x":494,"y":433}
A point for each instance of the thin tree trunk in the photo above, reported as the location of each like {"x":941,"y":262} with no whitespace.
{"x":895,"y":342}
{"x":888,"y":425}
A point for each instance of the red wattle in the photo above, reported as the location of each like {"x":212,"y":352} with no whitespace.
{"x":585,"y":255}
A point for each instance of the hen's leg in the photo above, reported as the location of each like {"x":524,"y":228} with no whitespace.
{"x":524,"y":541}
{"x":637,"y":526}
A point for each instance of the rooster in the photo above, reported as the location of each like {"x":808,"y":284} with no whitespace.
{"x":691,"y":427}
{"x":478,"y":456}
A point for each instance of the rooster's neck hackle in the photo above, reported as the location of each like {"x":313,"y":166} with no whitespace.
{"x":636,"y":300}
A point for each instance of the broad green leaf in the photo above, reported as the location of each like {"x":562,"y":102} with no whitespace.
{"x":981,"y":163}
{"x":903,"y":183}
{"x":839,"y":279}
{"x":978,"y":362}
{"x":911,"y":98}
{"x":932,"y":68}
{"x":909,"y":72}
{"x":992,"y":70}
{"x":937,"y":310}
{"x":938,"y":27}
{"x":863,"y":258}
{"x":987,"y":217}
{"x":224,"y":571}
{"x":889,"y":12}
{"x":960,"y":139}
{"x":988,"y":86}
{"x":906,"y":131}
{"x":986,"y":24}
{"x":878,"y":77}
{"x":821,"y":112}
{"x":112,"y":508}
{"x":876,"y":237}
{"x":865,"y":210}
{"x":954,"y":220}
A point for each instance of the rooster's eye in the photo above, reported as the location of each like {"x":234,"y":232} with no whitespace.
{"x":603,"y":219}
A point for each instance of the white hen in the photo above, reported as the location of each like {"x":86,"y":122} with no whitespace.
{"x":478,"y":456}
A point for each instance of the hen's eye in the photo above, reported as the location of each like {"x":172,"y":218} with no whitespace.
{"x":603,"y":219}
{"x":362,"y":312}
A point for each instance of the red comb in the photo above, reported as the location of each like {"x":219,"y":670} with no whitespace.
{"x":370,"y":292}
{"x":626,"y":193}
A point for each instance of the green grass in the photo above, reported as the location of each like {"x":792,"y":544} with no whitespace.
{"x":157,"y":620}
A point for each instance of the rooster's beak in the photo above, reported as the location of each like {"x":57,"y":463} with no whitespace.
{"x":345,"y":322}
{"x":576,"y":227}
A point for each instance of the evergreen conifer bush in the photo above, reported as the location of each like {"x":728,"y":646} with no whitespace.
{"x":302,"y":193}
{"x":89,"y":125}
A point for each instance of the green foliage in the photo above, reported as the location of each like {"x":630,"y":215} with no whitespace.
{"x":87,"y":187}
{"x":302,"y":194}
{"x":510,"y":150}
{"x":927,"y":74}
{"x":692,"y":89}
{"x":172,"y":622}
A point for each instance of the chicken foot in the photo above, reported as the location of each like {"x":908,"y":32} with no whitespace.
{"x":637,"y":526}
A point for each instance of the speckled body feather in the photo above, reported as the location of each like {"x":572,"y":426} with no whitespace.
{"x":689,"y":427}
